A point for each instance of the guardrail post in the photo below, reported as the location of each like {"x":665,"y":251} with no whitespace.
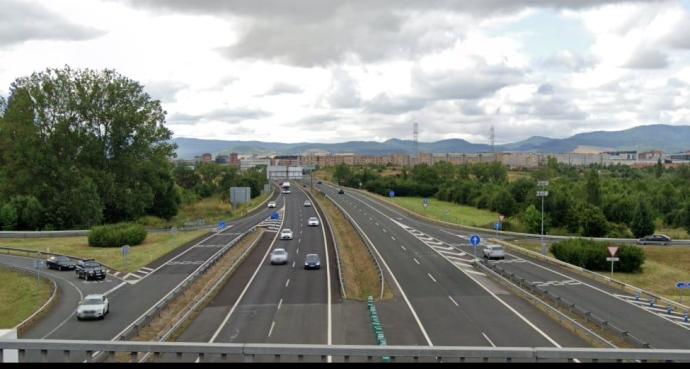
{"x":248,"y":358}
{"x":111,"y":355}
{"x":201,"y":357}
{"x":65,"y":355}
{"x":133,"y":356}
{"x":44,"y":356}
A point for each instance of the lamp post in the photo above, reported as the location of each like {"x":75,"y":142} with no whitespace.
{"x":542,"y":193}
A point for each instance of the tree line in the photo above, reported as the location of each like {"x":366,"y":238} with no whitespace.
{"x":594,"y":201}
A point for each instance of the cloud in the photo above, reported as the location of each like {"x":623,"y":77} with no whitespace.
{"x":226,"y":115}
{"x":385,"y":104}
{"x":22,"y":21}
{"x":568,"y":61}
{"x":283,"y":88}
{"x":647,"y":58}
{"x":343,"y":91}
{"x":164,"y":91}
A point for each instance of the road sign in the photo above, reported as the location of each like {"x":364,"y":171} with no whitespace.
{"x":682,"y":285}
{"x":474,"y":240}
{"x":221,"y":225}
{"x":275,"y":215}
{"x":542,"y":183}
{"x":613,"y":250}
{"x":542,"y":193}
{"x":498,"y":226}
{"x":612,"y":259}
{"x":391,"y":194}
{"x":125,"y":250}
{"x":426,"y":200}
{"x":501,"y":217}
{"x":426,"y":205}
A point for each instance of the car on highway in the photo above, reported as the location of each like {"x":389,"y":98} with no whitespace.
{"x":340,"y":191}
{"x":313,"y":221}
{"x":93,"y":306}
{"x":279,"y":256}
{"x":307,"y":203}
{"x":285,"y":191}
{"x":271,"y":204}
{"x":319,"y":182}
{"x":494,"y":252}
{"x":655,"y":239}
{"x":312,"y":261}
{"x":90,"y":269}
{"x":286,"y":234}
{"x":60,"y":263}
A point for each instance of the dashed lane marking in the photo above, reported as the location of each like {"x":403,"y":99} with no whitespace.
{"x":453,"y":301}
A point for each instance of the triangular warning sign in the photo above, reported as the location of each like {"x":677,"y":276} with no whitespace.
{"x":613,"y":250}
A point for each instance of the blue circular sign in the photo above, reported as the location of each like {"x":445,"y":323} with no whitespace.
{"x":681,"y":285}
{"x":474,"y":240}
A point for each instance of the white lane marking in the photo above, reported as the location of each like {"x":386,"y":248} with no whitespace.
{"x":293,"y":264}
{"x":287,"y":282}
{"x":488,"y":339}
{"x":147,"y":269}
{"x":81,"y":297}
{"x":108,"y":292}
{"x":297,"y":252}
{"x":432,"y":277}
{"x":453,"y":301}
{"x":403,"y":247}
{"x":377,"y":224}
{"x":416,"y":261}
{"x":392,"y":238}
{"x":280,"y":303}
{"x":299,"y":240}
{"x":273,"y":324}
{"x":384,"y":230}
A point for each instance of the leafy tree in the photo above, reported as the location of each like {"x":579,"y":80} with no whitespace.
{"x":522,"y":189}
{"x":593,"y":222}
{"x":186,"y":177}
{"x":504,"y":203}
{"x":642,"y":222}
{"x":341,"y":173}
{"x":532,"y":219}
{"x":8,"y":217}
{"x":29,"y":212}
{"x":684,"y":217}
{"x":658,"y":168}
{"x":593,"y":188}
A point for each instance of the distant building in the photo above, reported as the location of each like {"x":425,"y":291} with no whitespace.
{"x":653,"y":155}
{"x":206,"y":158}
{"x":221,"y":159}
{"x":620,"y":155}
{"x":234,"y":159}
{"x":290,"y":160}
{"x":253,"y":162}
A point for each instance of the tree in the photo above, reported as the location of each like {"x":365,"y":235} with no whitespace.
{"x":593,"y":188}
{"x":504,"y":203}
{"x":67,"y":129}
{"x":658,"y":168}
{"x":642,"y":221}
{"x":532,"y":219}
{"x":593,"y":222}
{"x":8,"y":217}
{"x":684,"y":216}
{"x":341,"y":173}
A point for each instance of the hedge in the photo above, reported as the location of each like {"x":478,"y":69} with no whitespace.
{"x":592,"y":255}
{"x":116,"y":235}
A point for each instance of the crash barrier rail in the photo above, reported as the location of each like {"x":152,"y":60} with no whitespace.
{"x":595,"y":339}
{"x":572,"y":307}
{"x":288,"y":352}
{"x":85,"y":232}
{"x":341,"y":279}
{"x":376,"y":324}
{"x":364,"y":240}
{"x":43,"y":254}
{"x":637,"y":292}
{"x":26,"y":323}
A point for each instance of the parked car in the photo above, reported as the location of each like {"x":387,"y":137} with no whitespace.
{"x":340,"y":191}
{"x":93,"y":306}
{"x":494,"y":252}
{"x":60,"y":263}
{"x":655,"y":239}
{"x":313,"y":221}
{"x":312,"y":261}
{"x":90,"y":269}
{"x":271,"y":204}
{"x":307,"y":203}
{"x":286,"y":234}
{"x":279,"y":256}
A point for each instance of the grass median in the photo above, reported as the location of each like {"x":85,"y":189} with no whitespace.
{"x":20,"y":296}
{"x":358,"y":268}
{"x":155,"y":246}
{"x":446,"y":211}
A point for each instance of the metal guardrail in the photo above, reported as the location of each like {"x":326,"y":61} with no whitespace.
{"x":43,"y":254}
{"x":364,"y":240}
{"x":250,"y":352}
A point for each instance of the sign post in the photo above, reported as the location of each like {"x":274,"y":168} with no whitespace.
{"x":125,"y":252}
{"x":426,"y":202}
{"x":612,"y":251}
{"x":391,"y":194}
{"x":475,"y":240}
{"x":682,"y":286}
{"x":37,"y":265}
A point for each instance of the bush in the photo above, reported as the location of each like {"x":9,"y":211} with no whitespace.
{"x":592,"y":255}
{"x":116,"y":235}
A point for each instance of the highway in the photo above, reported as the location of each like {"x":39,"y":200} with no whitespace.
{"x":451,"y":303}
{"x":602,"y":300}
{"x":131,"y":299}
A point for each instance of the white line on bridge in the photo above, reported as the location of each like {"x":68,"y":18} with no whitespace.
{"x":273,"y":324}
{"x":287,"y":282}
{"x":416,"y":261}
{"x":453,"y":301}
{"x":432,"y":278}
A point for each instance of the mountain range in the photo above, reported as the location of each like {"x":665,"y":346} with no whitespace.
{"x":649,"y":137}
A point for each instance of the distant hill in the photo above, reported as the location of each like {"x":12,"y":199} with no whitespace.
{"x":657,"y":136}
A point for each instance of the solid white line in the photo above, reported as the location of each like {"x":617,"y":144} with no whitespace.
{"x":108,"y":292}
{"x":453,"y":300}
{"x":246,"y":287}
{"x":81,"y":297}
{"x":416,"y":261}
{"x":297,"y":252}
{"x":287,"y":282}
{"x":280,"y":303}
{"x":273,"y":324}
{"x":432,"y":278}
{"x":147,"y":269}
{"x":488,"y":339}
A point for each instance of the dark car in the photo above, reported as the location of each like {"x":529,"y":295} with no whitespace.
{"x":655,"y":239}
{"x":340,"y":191}
{"x":319,"y":182}
{"x":90,"y":269}
{"x":60,"y":263}
{"x":312,"y":261}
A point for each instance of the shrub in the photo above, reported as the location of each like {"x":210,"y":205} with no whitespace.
{"x":592,"y":255}
{"x":116,"y":235}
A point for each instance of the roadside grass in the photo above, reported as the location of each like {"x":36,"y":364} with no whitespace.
{"x":674,"y":233}
{"x":155,"y":246}
{"x":359,"y":271}
{"x":324,"y":174}
{"x":205,"y":211}
{"x":663,"y":267}
{"x":19,"y":296}
{"x":447,"y":211}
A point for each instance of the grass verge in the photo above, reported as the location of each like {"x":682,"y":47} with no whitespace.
{"x":20,"y":296}
{"x":155,"y":246}
{"x":446,"y":211}
{"x":169,"y":316}
{"x":359,"y":270}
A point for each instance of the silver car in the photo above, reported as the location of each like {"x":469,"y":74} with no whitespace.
{"x":279,"y":256}
{"x":494,"y":252}
{"x":307,"y":203}
{"x":272,"y":204}
{"x":313,"y":221}
{"x":286,"y":234}
{"x":93,"y":306}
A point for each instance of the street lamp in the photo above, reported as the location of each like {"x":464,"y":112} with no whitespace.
{"x":542,"y":194}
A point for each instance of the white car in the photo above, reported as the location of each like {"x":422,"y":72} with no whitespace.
{"x":313,"y":221}
{"x":271,"y":204}
{"x":286,"y":234}
{"x":286,"y":191}
{"x":93,"y":306}
{"x":279,"y":256}
{"x":494,"y":252}
{"x":307,"y":203}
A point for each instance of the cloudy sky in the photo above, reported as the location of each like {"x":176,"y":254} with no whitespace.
{"x":327,"y":71}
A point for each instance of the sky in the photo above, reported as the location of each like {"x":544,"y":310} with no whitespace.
{"x":327,"y":71}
